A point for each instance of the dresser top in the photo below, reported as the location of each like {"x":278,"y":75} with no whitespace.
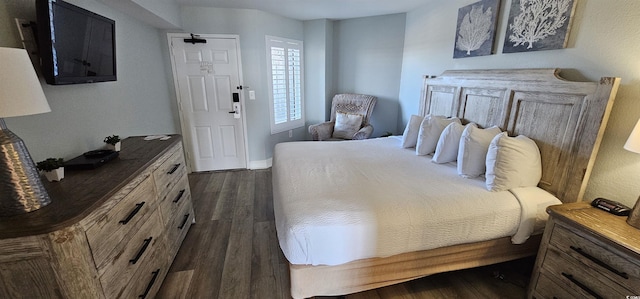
{"x":614,"y":229}
{"x":82,"y":191}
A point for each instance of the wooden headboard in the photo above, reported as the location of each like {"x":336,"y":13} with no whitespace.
{"x":566,"y":119}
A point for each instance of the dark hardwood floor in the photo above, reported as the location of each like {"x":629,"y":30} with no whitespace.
{"x":232,"y":251}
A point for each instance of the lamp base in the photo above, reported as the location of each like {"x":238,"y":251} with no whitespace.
{"x":21,"y":190}
{"x":634,"y":216}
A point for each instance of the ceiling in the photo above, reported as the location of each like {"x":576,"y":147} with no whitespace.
{"x":316,"y":9}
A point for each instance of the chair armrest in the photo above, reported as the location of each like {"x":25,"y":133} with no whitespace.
{"x":363,"y":133}
{"x":321,"y":131}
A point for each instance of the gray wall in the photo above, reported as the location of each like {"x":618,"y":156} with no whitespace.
{"x":318,"y":63}
{"x":252,"y":26}
{"x":605,"y":41}
{"x":82,"y":115}
{"x":368,"y":59}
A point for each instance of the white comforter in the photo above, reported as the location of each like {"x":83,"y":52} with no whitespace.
{"x":335,"y":202}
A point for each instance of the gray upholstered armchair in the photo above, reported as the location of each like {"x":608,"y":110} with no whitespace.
{"x":350,"y":114}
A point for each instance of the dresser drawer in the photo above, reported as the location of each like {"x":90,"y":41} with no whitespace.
{"x":148,"y":278}
{"x":135,"y":254}
{"x":179,"y":226}
{"x":169,"y":172}
{"x":575,"y":276}
{"x":175,"y":199}
{"x":111,"y":232}
{"x":597,"y":258}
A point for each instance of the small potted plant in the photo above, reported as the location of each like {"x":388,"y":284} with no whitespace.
{"x":113,"y":142}
{"x":53,"y":168}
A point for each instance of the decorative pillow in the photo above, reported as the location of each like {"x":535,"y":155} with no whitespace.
{"x":410,"y":135}
{"x":448,"y":143}
{"x":346,"y":125}
{"x":430,"y":130}
{"x":512,"y":162}
{"x":472,"y":153}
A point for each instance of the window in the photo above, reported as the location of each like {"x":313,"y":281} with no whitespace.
{"x":285,"y":70}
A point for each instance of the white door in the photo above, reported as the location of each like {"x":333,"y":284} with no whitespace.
{"x":207,"y":78}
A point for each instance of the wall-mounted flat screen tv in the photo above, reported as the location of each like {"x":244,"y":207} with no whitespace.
{"x":74,"y":44}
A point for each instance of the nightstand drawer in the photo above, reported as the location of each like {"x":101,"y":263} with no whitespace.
{"x":169,"y":173}
{"x":578,"y":278}
{"x":547,"y":288}
{"x":597,"y":258}
{"x":113,"y":230}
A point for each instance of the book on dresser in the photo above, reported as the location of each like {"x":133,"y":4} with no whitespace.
{"x":110,"y":232}
{"x":586,"y":253}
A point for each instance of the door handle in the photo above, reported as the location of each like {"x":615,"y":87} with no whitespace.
{"x":236,"y":105}
{"x":236,"y":110}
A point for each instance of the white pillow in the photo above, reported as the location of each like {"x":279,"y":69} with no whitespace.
{"x":472,"y":154}
{"x":410,"y":135}
{"x":347,"y":124}
{"x":430,"y":130}
{"x":512,"y":162}
{"x":448,"y":143}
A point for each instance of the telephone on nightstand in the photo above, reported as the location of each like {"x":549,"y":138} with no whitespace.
{"x":611,"y":206}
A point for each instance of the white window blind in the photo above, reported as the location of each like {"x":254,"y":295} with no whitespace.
{"x":285,"y":69}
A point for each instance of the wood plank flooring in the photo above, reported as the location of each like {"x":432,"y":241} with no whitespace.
{"x":232,"y":252}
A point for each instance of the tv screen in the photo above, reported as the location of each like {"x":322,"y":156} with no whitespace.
{"x":75,"y":45}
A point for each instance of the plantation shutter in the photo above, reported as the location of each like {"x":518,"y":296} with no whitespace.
{"x":285,"y":64}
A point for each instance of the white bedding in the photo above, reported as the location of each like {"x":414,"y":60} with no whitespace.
{"x":336,"y":202}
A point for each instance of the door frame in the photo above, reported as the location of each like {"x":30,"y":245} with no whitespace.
{"x":243,"y":106}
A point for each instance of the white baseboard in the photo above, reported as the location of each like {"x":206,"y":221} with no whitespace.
{"x":263,"y":164}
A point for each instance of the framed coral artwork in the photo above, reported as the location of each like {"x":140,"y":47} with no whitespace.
{"x":476,"y":30}
{"x":536,"y":25}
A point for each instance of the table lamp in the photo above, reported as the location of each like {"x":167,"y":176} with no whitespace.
{"x":21,"y":190}
{"x":633,"y":145}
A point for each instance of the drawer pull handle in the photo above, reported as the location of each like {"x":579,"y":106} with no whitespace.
{"x":599,"y":262}
{"x":175,"y":167}
{"x":180,"y":194}
{"x":581,"y":285}
{"x":145,"y":244}
{"x":184,"y":221}
{"x":150,"y":285}
{"x":133,"y":213}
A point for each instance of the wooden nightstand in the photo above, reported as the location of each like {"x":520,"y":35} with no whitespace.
{"x":586,"y":253}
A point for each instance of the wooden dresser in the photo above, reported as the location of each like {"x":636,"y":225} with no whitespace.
{"x":110,"y":232}
{"x":586,"y":253}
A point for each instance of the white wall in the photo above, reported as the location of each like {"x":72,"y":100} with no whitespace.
{"x":82,"y":115}
{"x":252,"y":26}
{"x":368,"y":60}
{"x":163,"y":14}
{"x":605,"y":41}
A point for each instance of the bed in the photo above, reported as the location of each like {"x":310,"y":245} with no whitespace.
{"x":358,"y":215}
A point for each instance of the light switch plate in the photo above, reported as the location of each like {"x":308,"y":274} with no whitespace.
{"x":252,"y":94}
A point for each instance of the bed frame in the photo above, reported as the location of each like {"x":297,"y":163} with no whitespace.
{"x":566,"y":119}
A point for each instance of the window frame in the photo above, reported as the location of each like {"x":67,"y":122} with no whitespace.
{"x":286,"y":44}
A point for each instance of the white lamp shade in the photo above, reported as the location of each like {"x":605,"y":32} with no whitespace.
{"x":633,"y":143}
{"x":20,"y":89}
